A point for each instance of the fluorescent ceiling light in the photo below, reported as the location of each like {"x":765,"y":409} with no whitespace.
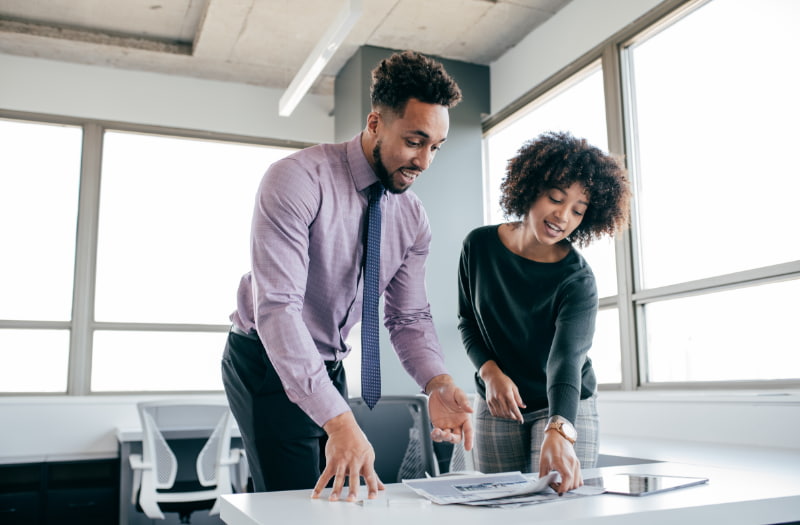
{"x":319,"y":57}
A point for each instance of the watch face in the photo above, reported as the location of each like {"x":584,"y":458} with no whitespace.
{"x":569,"y":430}
{"x":563,"y":427}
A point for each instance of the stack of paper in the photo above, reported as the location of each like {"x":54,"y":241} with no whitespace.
{"x":504,"y":489}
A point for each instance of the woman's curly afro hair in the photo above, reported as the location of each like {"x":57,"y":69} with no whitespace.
{"x":412,"y":75}
{"x":557,"y":160}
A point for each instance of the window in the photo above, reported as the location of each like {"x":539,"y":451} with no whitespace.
{"x":716,"y":187}
{"x":605,"y":353}
{"x":156,"y":360}
{"x":174,"y":227}
{"x":39,"y":179}
{"x":708,"y":118}
{"x":40,"y":169}
{"x":22,"y":354}
{"x":171,"y":242}
{"x":730,"y":335}
{"x":577,"y":106}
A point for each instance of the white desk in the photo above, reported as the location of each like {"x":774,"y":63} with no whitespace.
{"x":731,"y":497}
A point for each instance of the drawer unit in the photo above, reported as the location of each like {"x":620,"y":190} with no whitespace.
{"x":64,"y":493}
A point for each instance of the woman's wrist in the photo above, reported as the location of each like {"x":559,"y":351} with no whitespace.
{"x":488,"y":370}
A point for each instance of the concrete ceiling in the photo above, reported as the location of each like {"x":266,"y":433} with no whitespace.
{"x":260,"y":42}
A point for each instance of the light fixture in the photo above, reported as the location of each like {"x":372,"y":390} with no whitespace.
{"x":320,"y":56}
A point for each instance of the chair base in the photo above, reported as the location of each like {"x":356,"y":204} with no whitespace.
{"x":184,"y":511}
{"x":183,"y":508}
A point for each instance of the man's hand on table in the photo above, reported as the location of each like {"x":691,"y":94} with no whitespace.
{"x":348,"y":455}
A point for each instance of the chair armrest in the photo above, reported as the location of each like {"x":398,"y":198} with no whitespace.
{"x":137,"y":465}
{"x":238,"y":458}
{"x":233,"y":458}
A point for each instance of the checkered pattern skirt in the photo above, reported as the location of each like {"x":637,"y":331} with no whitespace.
{"x":503,"y":445}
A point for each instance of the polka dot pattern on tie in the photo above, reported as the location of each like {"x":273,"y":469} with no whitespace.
{"x":370,"y":337}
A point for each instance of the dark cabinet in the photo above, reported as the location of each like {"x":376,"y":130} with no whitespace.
{"x":63,"y":493}
{"x":20,"y":494}
{"x":19,"y":508}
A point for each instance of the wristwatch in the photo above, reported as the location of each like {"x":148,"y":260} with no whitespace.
{"x":563,"y":427}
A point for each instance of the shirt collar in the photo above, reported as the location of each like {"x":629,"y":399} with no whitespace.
{"x":361,"y":171}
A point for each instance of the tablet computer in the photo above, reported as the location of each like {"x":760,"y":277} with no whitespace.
{"x":644,"y":484}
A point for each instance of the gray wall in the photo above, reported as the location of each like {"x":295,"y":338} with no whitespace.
{"x":451,"y":190}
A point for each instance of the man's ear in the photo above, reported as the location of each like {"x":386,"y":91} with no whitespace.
{"x":373,"y":120}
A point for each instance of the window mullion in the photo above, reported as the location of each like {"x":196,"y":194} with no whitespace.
{"x":612,"y":86}
{"x":80,"y":354}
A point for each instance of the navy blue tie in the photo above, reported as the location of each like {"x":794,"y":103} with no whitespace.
{"x":370,"y":339}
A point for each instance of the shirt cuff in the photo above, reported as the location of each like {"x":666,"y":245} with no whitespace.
{"x":563,"y":400}
{"x":423,"y":377}
{"x":324,"y":404}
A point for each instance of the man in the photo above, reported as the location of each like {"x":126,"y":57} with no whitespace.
{"x":282,"y":364}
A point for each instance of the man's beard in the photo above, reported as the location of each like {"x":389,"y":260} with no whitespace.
{"x":383,"y":173}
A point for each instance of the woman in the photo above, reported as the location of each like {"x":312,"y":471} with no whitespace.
{"x":527,"y":308}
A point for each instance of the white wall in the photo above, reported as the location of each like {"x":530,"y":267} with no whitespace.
{"x":59,"y":88}
{"x":746,"y":418}
{"x":38,"y":428}
{"x":60,"y":428}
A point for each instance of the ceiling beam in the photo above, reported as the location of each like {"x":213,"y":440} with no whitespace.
{"x":94,"y":37}
{"x":220,"y":28}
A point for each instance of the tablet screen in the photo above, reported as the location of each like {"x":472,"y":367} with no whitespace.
{"x":642,"y":484}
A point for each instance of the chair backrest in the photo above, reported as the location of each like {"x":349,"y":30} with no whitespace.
{"x":214,"y":451}
{"x":156,"y":451}
{"x":184,"y":417}
{"x":399,"y":429}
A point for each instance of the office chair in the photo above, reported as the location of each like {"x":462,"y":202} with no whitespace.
{"x":461,"y":460}
{"x":399,"y":429}
{"x":156,"y":487}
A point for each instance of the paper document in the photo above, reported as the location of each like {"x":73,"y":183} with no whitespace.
{"x":504,"y":489}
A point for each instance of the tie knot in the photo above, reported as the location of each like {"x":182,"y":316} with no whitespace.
{"x":375,"y":191}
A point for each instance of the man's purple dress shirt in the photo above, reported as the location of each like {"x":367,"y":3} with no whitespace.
{"x":303,"y":294}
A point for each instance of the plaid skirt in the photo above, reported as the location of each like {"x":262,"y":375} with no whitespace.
{"x":503,"y":445}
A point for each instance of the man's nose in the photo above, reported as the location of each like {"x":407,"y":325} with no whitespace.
{"x":424,"y":159}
